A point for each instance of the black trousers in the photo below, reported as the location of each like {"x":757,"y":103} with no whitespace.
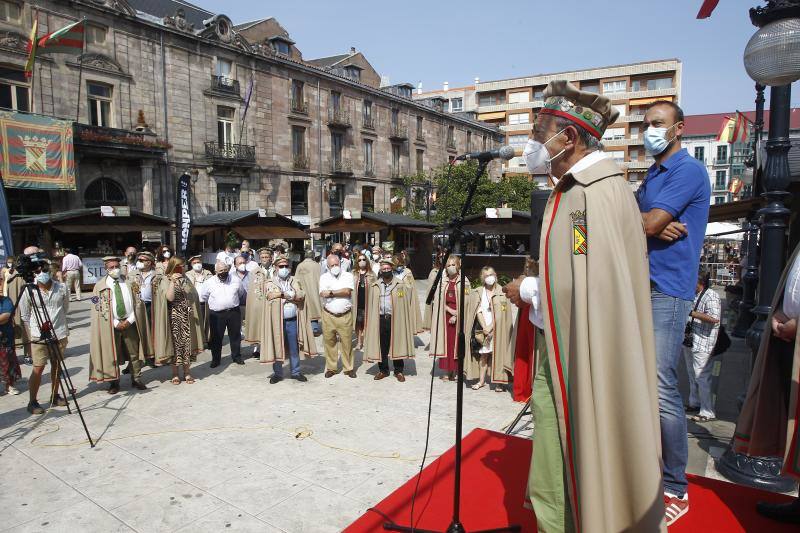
{"x":386,"y":340}
{"x":218,"y":321}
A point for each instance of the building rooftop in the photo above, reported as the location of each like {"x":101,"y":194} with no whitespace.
{"x":327,"y":61}
{"x":167,"y":8}
{"x":710,"y":124}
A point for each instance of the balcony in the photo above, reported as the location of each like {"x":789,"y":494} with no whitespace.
{"x":300,"y":162}
{"x":420,"y":137}
{"x":115,"y":142}
{"x":343,"y":167}
{"x":398,"y":132}
{"x":369,"y":171}
{"x":722,"y":162}
{"x":225,"y":85}
{"x":338,"y":118}
{"x":299,"y":105}
{"x":230,"y":154}
{"x":368,"y":123}
{"x":720,"y":187}
{"x":451,"y":145}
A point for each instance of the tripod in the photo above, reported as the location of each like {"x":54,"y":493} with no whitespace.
{"x":457,"y":242}
{"x":51,"y":341}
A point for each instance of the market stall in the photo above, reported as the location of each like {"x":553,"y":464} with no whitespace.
{"x":92,"y":233}
{"x":407,"y":233}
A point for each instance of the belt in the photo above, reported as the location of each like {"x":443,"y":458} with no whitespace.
{"x":289,"y":319}
{"x":226,"y":310}
{"x":387,"y":315}
{"x":336,"y":314}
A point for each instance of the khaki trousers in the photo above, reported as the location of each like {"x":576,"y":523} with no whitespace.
{"x":73,"y":281}
{"x":127,"y":346}
{"x":341,"y":327}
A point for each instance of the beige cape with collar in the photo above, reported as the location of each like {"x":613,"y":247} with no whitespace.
{"x":402,"y":342}
{"x":162,"y":334}
{"x":197,"y":278}
{"x":308,"y":273}
{"x":103,"y":361}
{"x":439,"y":317}
{"x":257,"y":307}
{"x":416,"y":312}
{"x":271,"y":339}
{"x":600,"y":348}
{"x":502,"y":362}
{"x":371,"y":278}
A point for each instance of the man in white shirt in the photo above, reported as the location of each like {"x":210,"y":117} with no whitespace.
{"x":223,"y":293}
{"x":227,"y":255}
{"x":335,"y":288}
{"x":143,"y":277}
{"x":56,"y":305}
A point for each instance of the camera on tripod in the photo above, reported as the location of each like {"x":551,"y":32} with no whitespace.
{"x":28,"y":264}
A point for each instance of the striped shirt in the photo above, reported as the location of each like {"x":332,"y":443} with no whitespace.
{"x":705,"y":334}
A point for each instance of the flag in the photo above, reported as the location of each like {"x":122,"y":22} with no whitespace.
{"x":726,"y":132}
{"x":707,"y":8}
{"x":32,"y":45}
{"x":6,"y":243}
{"x":247,"y":98}
{"x":741,"y":131}
{"x":67,"y":40}
{"x":735,"y":186}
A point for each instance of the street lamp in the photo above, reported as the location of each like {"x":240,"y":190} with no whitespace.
{"x":772,"y":57}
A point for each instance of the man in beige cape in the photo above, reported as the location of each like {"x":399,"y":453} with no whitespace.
{"x":286,"y":328}
{"x":308,"y":273}
{"x":197,"y":275}
{"x":257,"y":307}
{"x":596,"y":453}
{"x":119,"y":329}
{"x":388,"y":330}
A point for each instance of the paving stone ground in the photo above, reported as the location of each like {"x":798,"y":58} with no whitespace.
{"x":234,"y":453}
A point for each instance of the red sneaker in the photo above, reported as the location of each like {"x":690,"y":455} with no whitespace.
{"x":675,"y":507}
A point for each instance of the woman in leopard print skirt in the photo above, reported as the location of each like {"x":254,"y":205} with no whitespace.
{"x":185,"y":336}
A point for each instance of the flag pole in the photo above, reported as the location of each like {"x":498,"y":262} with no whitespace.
{"x":80,"y":72}
{"x":33,"y":66}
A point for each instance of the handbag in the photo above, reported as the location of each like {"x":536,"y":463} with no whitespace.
{"x":478,"y":338}
{"x":723,"y":342}
{"x":688,"y":339}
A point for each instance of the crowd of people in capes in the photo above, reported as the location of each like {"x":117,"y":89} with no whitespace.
{"x":154,"y":309}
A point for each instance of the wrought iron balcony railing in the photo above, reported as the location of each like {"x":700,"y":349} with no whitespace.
{"x":300,"y":162}
{"x":225,"y":84}
{"x":299,"y":105}
{"x":230,"y":153}
{"x":342,"y":166}
{"x":398,"y":132}
{"x":338,"y":118}
{"x":368,"y":123}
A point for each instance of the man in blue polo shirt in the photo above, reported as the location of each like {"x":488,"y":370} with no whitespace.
{"x":674,"y":200}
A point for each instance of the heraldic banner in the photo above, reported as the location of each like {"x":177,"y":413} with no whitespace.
{"x":37,"y":152}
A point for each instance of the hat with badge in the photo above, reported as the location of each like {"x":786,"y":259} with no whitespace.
{"x":264,"y":249}
{"x":108,"y":258}
{"x":388,"y":261}
{"x":146,"y":255}
{"x":281,"y":260}
{"x":199,"y":257}
{"x":592,"y":111}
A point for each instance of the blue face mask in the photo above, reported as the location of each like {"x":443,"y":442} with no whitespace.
{"x":400,"y":269}
{"x":655,"y":140}
{"x":43,"y":278}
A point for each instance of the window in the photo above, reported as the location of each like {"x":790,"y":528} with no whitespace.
{"x":224,"y":68}
{"x":298,"y":142}
{"x":590,"y":86}
{"x":491,"y":99}
{"x":420,"y":161}
{"x":519,"y":97}
{"x":369,"y":167}
{"x":354,"y":73}
{"x":395,"y":117}
{"x":614,"y":87}
{"x":722,"y":154}
{"x":367,"y":113}
{"x":451,"y":136}
{"x":368,"y":199}
{"x":469,"y":141}
{"x":719,"y":200}
{"x":224,"y":125}
{"x":420,"y":134}
{"x":519,"y":118}
{"x":634,"y":132}
{"x":299,"y":197}
{"x":633,"y":154}
{"x":337,"y":145}
{"x":298,"y":96}
{"x":614,"y":134}
{"x":104,"y":191}
{"x":336,"y":199}
{"x":336,"y":100}
{"x":617,"y":155}
{"x":700,"y":153}
{"x":10,"y":11}
{"x":99,"y":104}
{"x":397,"y":199}
{"x":622,"y":108}
{"x":538,"y":94}
{"x":281,"y":46}
{"x":395,"y":160}
{"x":95,"y":34}
{"x":483,"y":143}
{"x":659,"y":83}
{"x":518,"y":140}
{"x":227,"y":197}
{"x":14,"y":90}
{"x":456,"y":104}
{"x":721,"y":181}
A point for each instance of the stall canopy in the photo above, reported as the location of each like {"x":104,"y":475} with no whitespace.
{"x":251,"y":224}
{"x":724,"y":230}
{"x":518,"y":224}
{"x":92,"y":221}
{"x":372,"y":222}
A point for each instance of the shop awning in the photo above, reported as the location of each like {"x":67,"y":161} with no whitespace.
{"x":250,"y":224}
{"x":733,"y":211}
{"x":91,"y":221}
{"x":492,"y":116}
{"x":518,"y":224}
{"x":372,"y":222}
{"x":645,"y":101}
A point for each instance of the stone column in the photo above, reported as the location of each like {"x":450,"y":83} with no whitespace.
{"x":147,"y":186}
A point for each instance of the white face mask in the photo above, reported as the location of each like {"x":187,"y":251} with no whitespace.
{"x":241,"y":268}
{"x":43,"y":278}
{"x":139,"y":265}
{"x":452,"y":270}
{"x":283,"y":272}
{"x":197,"y":267}
{"x":537,"y":158}
{"x":336,"y":270}
{"x":166,"y":255}
{"x":655,"y":140}
{"x":362,"y":264}
{"x":114,"y":273}
{"x":489,"y":281}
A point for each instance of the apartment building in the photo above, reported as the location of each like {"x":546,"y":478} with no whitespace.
{"x":454,"y":99}
{"x":163,"y":87}
{"x":512,"y":105}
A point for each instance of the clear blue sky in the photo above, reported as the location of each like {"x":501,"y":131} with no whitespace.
{"x":434,"y":41}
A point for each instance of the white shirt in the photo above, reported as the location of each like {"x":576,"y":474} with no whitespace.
{"x":146,"y":289}
{"x":529,"y":292}
{"x":56,"y":301}
{"x":375,"y":268}
{"x":336,"y":305}
{"x":386,"y":297}
{"x":226,"y":257}
{"x":251,"y":265}
{"x":791,"y":293}
{"x":586,"y":162}
{"x":127,"y":298}
{"x":485,"y":309}
{"x":220,"y":295}
{"x":289,"y":308}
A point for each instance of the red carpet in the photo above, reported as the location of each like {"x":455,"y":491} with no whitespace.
{"x":493,"y":480}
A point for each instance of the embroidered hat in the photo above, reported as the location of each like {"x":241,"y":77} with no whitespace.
{"x":281,"y":259}
{"x":388,"y":261}
{"x":264,"y":249}
{"x":146,"y":255}
{"x":199,"y":257}
{"x":108,"y":258}
{"x":590,"y":110}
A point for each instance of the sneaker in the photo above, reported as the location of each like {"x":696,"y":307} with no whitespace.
{"x":12,"y":390}
{"x":59,"y":402}
{"x":35,"y":409}
{"x":675,"y":507}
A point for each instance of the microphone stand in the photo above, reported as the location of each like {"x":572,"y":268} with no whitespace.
{"x":457,"y":243}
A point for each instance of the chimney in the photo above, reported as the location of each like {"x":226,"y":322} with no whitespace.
{"x":384,"y":81}
{"x":352,"y":50}
{"x":477,"y":80}
{"x":419,"y":88}
{"x":445,"y":87}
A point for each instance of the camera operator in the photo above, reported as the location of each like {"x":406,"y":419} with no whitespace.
{"x":56,"y":302}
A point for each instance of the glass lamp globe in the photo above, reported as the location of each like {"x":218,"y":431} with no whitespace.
{"x":772,"y":56}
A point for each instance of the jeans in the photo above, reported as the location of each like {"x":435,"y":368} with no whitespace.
{"x":670,"y":315}
{"x":699,"y":366}
{"x":386,"y":339}
{"x":218,"y":322}
{"x":290,"y":345}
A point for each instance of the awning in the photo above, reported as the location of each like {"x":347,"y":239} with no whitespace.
{"x":107,"y":228}
{"x":492,"y":116}
{"x":500,"y":229}
{"x":356,"y":226}
{"x":645,"y":101}
{"x":416,"y":229}
{"x":269,"y":232}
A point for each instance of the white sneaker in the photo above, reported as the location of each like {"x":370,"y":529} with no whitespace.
{"x":12,"y":390}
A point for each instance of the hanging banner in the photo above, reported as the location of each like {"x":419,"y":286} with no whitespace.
{"x":183,"y":213}
{"x":6,"y":244}
{"x":37,"y":152}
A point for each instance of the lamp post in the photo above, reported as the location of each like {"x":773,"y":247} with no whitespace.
{"x":772,"y":57}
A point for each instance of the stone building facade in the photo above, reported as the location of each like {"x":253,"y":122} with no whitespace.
{"x":163,"y":90}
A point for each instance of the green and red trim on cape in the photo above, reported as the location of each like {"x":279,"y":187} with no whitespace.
{"x":107,"y":291}
{"x":591,"y":128}
{"x":562,"y":383}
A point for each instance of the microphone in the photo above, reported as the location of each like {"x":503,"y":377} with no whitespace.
{"x":504,"y":152}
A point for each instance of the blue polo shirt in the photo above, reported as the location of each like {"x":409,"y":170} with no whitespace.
{"x":679,"y":186}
